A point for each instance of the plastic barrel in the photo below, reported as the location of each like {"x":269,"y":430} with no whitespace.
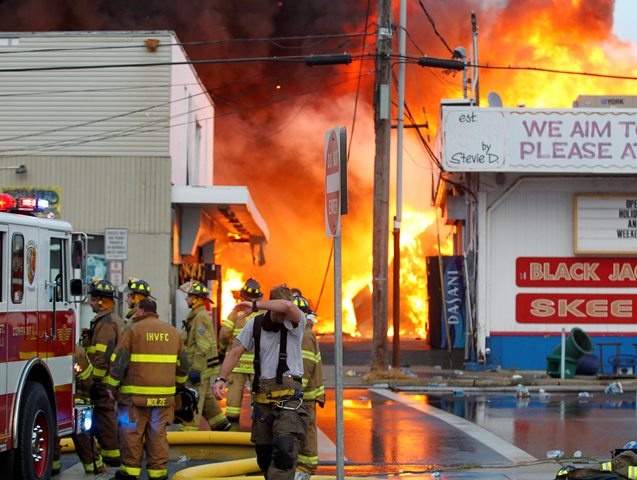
{"x":587,"y":364}
{"x":578,"y":343}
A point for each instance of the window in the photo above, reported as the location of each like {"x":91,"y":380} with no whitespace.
{"x":17,"y":268}
{"x":57,"y":273}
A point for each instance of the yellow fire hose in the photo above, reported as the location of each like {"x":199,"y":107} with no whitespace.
{"x":190,"y":438}
{"x":230,"y":470}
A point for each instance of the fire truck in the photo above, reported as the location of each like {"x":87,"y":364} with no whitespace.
{"x":38,"y":328}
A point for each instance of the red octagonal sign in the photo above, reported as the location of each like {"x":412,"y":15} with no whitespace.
{"x":332,"y":183}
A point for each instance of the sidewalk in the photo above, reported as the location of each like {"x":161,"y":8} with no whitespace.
{"x":436,"y":378}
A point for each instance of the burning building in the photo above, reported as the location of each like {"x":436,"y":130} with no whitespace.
{"x":272,"y":110}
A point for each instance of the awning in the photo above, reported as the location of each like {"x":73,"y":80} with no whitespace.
{"x":204,"y":209}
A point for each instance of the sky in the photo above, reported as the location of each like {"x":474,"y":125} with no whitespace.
{"x":625,"y":18}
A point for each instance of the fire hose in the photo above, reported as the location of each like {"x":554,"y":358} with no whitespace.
{"x":230,"y":470}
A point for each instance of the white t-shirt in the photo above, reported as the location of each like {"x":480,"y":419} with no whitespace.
{"x":270,"y":343}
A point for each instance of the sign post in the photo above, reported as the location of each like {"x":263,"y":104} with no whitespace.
{"x":335,"y":206}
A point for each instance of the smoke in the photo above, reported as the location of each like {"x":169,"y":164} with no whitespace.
{"x":272,"y":115}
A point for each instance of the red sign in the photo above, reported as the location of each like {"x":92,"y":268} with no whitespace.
{"x":576,"y":272}
{"x":575,"y":308}
{"x":332,"y":183}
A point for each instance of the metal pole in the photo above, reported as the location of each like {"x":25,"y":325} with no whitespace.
{"x":563,"y":356}
{"x":402,"y":27}
{"x":338,"y":359}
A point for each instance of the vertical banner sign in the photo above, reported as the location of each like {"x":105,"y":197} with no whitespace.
{"x":333,"y":182}
{"x":454,"y":302}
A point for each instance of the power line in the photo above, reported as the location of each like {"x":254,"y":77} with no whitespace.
{"x":303,"y":59}
{"x":273,"y":40}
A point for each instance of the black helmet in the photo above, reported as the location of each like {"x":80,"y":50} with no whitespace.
{"x":251,"y":290}
{"x":101,"y":288}
{"x":135,"y":285}
{"x":198,"y":289}
{"x":303,"y":304}
{"x":186,"y":404}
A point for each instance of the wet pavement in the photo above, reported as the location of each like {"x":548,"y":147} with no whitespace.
{"x":429,"y":422}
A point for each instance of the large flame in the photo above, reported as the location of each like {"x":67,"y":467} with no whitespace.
{"x":568,"y":36}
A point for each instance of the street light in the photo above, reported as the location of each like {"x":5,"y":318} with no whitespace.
{"x":19,"y":169}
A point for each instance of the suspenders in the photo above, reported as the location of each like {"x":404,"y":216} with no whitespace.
{"x":283,"y":345}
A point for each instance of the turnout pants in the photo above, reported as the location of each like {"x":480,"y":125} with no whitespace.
{"x":105,"y":429}
{"x":234,"y":395}
{"x":307,"y":459}
{"x":277,"y":432}
{"x":143,"y":430}
{"x":86,"y":449}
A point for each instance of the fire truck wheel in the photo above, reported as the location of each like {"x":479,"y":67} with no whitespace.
{"x":36,"y":431}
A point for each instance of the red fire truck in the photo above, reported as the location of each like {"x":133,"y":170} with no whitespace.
{"x":38,"y":331}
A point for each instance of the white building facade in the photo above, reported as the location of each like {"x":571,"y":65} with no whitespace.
{"x":117,"y":129}
{"x":551,"y":219}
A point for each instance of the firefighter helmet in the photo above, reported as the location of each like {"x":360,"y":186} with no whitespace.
{"x":303,"y":304}
{"x":101,"y":288}
{"x":135,"y":285}
{"x":186,"y":401}
{"x":198,"y":289}
{"x":251,"y":290}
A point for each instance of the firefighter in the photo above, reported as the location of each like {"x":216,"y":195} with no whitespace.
{"x":85,"y":444}
{"x":244,"y":371}
{"x":149,"y":363}
{"x":624,"y":464}
{"x":621,"y":466}
{"x":136,"y":290}
{"x":313,"y":393}
{"x":279,"y":418}
{"x":99,"y":342}
{"x":200,"y":339}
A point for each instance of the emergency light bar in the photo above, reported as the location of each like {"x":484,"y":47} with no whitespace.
{"x":22,"y":204}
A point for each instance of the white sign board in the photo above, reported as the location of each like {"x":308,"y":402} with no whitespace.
{"x":116,"y":244}
{"x":538,"y":140}
{"x":605,"y":223}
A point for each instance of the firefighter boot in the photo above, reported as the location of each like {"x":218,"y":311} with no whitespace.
{"x":119,"y":475}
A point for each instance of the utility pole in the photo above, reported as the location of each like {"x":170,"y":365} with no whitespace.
{"x":380,"y":240}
